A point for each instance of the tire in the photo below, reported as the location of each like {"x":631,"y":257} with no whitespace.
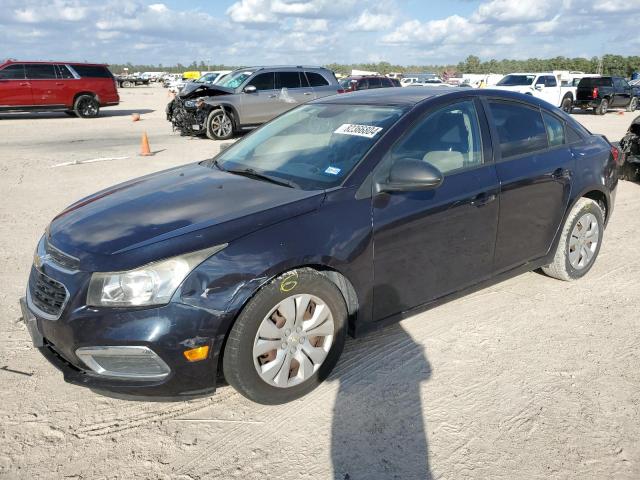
{"x":633,"y":104}
{"x":250,"y":330}
{"x":127,"y":84}
{"x":219,"y":125}
{"x":567,"y":104}
{"x":589,"y":214}
{"x":602,"y":108}
{"x":86,"y":106}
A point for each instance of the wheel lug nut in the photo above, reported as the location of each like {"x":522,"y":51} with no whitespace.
{"x":287,"y":332}
{"x":284,"y":345}
{"x":299,"y":329}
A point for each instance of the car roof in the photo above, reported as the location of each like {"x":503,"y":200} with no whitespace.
{"x":49,"y":62}
{"x":283,"y":67}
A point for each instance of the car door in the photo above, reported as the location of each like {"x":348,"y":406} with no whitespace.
{"x":261,"y":105}
{"x":15,"y":90}
{"x":46,"y":89}
{"x":68,"y":85}
{"x":534,"y":169}
{"x":431,"y":243}
{"x":552,"y":90}
{"x":294,"y":89}
{"x":622,"y":95}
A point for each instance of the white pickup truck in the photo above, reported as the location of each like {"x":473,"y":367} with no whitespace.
{"x":545,"y":86}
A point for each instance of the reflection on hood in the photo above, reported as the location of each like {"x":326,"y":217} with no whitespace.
{"x":195,"y":89}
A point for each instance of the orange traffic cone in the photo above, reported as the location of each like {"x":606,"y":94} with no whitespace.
{"x":145,"y":151}
{"x":135,"y":117}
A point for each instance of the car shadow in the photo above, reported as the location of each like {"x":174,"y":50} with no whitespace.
{"x":377,"y":429}
{"x":45,"y":115}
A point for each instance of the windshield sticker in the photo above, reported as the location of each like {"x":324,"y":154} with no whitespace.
{"x":358,"y":130}
{"x":333,"y":170}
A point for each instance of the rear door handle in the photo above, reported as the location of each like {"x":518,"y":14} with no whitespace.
{"x":24,"y":84}
{"x":483,"y":199}
{"x":59,"y":83}
{"x":308,"y":93}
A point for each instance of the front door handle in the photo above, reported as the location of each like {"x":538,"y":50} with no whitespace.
{"x":24,"y":84}
{"x":483,"y":199}
{"x":308,"y":93}
{"x":273,"y":96}
{"x":59,"y":83}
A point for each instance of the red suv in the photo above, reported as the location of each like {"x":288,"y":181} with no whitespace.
{"x":75,"y":88}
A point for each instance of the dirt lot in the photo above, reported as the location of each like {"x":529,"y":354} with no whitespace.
{"x":530,"y":379}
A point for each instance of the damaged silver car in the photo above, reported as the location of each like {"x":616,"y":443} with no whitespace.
{"x":247,"y":98}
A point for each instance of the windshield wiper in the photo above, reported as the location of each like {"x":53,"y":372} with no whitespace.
{"x":251,"y":173}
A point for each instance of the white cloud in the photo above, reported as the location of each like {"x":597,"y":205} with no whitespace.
{"x":371,"y":22}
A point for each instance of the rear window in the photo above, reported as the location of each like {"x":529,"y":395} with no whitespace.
{"x":316,"y":80}
{"x":13,"y":72}
{"x":591,"y":82}
{"x":287,"y":80}
{"x":520,"y":128}
{"x":92,"y":71}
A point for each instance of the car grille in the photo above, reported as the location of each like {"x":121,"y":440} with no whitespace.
{"x":61,"y":258}
{"x":47,"y":294}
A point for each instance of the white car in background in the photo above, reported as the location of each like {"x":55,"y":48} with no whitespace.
{"x":544,"y":86}
{"x":209,"y":78}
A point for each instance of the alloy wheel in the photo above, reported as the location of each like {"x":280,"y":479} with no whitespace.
{"x":293,"y":340}
{"x":221,"y":125}
{"x":584,"y":240}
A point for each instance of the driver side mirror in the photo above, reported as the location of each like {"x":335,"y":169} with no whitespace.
{"x":539,"y":86}
{"x":411,"y":175}
{"x":250,"y":89}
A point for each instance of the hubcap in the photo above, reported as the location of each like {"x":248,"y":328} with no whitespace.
{"x":293,"y":340}
{"x":584,"y":241}
{"x":221,"y":125}
{"x":88,"y":108}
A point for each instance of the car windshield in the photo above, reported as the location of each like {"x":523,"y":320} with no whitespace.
{"x":516,"y":80}
{"x":312,"y":147}
{"x":209,"y":77}
{"x":346,"y":82}
{"x":235,"y":79}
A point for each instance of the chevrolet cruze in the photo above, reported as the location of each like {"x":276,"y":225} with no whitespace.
{"x":336,"y":218}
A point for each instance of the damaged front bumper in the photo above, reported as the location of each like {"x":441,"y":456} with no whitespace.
{"x":136,"y":353}
{"x":187,"y":116}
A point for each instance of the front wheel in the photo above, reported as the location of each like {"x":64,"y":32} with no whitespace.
{"x":219,"y":125}
{"x":579,"y":243}
{"x":287,"y":339}
{"x":633,"y":104}
{"x":86,"y":106}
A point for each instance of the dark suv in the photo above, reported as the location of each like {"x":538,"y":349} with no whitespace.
{"x":247,"y":98}
{"x":366,"y":82}
{"x":602,"y":93}
{"x":75,"y":88}
{"x":339,"y":216}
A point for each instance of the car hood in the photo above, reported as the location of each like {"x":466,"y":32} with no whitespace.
{"x":169,"y":213}
{"x":196,"y":89}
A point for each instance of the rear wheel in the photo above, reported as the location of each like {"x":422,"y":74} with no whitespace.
{"x":287,"y":339}
{"x":219,"y":125}
{"x":579,"y":243}
{"x":602,"y":109}
{"x":567,"y":104}
{"x":86,"y":106}
{"x":633,"y":104}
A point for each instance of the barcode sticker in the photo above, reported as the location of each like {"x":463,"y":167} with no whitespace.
{"x":358,"y":130}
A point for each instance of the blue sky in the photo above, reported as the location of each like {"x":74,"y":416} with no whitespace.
{"x":244,"y":32}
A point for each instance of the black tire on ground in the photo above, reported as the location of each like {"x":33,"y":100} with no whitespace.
{"x":127,"y":84}
{"x":567,"y":104}
{"x":86,"y":106}
{"x":602,"y":108}
{"x":633,"y":104}
{"x":561,"y":267}
{"x":237,"y":359}
{"x":219,"y":125}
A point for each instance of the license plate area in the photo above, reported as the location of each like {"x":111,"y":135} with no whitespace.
{"x":32,"y":324}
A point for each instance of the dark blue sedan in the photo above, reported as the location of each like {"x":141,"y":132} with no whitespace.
{"x":336,"y":218}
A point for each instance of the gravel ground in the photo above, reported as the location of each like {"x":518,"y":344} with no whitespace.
{"x":529,"y":379}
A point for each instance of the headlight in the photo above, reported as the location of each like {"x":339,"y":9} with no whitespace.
{"x":190,"y":103}
{"x":153,"y":284}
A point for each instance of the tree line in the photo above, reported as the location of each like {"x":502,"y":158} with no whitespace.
{"x":609,"y":65}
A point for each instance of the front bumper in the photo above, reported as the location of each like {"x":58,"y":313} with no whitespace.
{"x":167,"y":330}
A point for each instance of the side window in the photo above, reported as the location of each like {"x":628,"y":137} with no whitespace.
{"x":287,"y":80}
{"x":540,"y":81}
{"x":263,"y":81}
{"x":63,"y":72}
{"x":40,"y":71}
{"x":92,"y":71}
{"x":374,"y":82}
{"x":316,"y":80}
{"x":551,"y":81}
{"x":13,"y":72}
{"x":449,"y":139}
{"x":520,"y":128}
{"x":363,"y":84}
{"x":620,"y":83}
{"x":555,"y":129}
{"x":572,"y":135}
{"x":386,"y":82}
